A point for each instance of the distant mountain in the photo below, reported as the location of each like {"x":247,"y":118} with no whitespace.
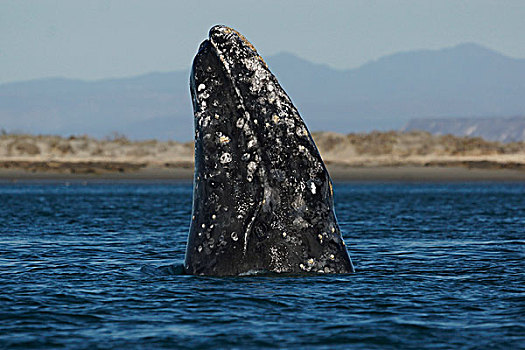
{"x":467,"y":80}
{"x":153,"y":105}
{"x":494,"y":129}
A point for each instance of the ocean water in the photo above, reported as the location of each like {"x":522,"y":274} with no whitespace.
{"x":98,"y":265}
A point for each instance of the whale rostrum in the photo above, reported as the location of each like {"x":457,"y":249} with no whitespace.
{"x":262,"y":197}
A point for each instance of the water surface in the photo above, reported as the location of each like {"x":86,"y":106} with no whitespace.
{"x":438,"y":266}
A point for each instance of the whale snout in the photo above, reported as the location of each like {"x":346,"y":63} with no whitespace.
{"x":227,"y":40}
{"x":219,"y":30}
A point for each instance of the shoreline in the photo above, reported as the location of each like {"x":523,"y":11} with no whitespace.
{"x":338,"y":172}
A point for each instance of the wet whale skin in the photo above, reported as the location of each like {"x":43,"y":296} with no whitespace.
{"x":262,"y":198}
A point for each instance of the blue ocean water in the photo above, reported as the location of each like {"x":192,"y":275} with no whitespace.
{"x":97,"y":265}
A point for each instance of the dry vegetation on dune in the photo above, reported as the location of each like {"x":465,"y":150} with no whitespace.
{"x":414,"y":148}
{"x":86,"y":155}
{"x":414,"y":143}
{"x":83,"y":154}
{"x":85,"y":148}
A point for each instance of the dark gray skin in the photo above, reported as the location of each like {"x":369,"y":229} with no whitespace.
{"x":262,"y":198}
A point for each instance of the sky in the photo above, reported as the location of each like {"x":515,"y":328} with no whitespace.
{"x":105,"y":39}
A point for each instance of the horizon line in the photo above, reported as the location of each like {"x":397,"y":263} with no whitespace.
{"x":325,"y":65}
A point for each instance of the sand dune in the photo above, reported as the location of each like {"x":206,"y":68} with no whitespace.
{"x":86,"y":155}
{"x":84,"y":148}
{"x":414,"y":148}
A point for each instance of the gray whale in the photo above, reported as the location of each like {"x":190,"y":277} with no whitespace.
{"x":262,"y":197}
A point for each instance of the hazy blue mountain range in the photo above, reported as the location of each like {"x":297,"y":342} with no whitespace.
{"x":494,"y":129}
{"x":467,"y":80}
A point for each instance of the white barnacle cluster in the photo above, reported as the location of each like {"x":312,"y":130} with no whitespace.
{"x":301,"y":131}
{"x":259,"y":73}
{"x":317,"y":265}
{"x":251,"y":167}
{"x":203,"y":95}
{"x":251,"y":63}
{"x":285,"y":101}
{"x":243,"y":208}
{"x":198,"y":115}
{"x":240,"y":123}
{"x":225,"y":158}
{"x":308,"y":265}
{"x":289,"y":124}
{"x":306,"y":153}
{"x":272,"y":98}
{"x":204,"y":121}
{"x":277,"y":260}
{"x":313,"y":189}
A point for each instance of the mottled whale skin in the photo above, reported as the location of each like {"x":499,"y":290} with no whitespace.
{"x":262,"y":197}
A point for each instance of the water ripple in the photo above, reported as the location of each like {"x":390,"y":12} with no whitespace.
{"x":100,"y":266}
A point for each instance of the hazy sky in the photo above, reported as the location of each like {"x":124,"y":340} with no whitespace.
{"x":100,"y":39}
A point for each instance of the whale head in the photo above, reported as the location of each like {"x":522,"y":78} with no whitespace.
{"x":262,"y":197}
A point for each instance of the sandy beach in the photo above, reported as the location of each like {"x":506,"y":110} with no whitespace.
{"x":337,"y":172}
